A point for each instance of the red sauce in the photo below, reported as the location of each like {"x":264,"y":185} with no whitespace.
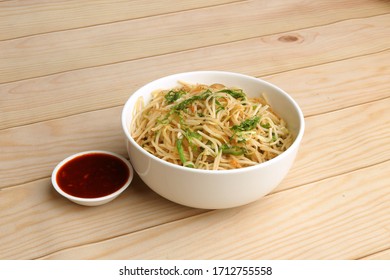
{"x":92,"y":175}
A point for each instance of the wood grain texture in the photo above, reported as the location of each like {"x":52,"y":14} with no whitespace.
{"x":67,"y":67}
{"x":25,"y":208}
{"x":335,"y":143}
{"x":56,"y":139}
{"x":37,"y":221}
{"x":56,"y":52}
{"x":322,"y":88}
{"x":382,"y":255}
{"x":338,"y":218}
{"x":334,"y":86}
{"x":26,"y":18}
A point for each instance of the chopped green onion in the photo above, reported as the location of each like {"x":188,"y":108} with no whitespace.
{"x":174,"y":95}
{"x":246,"y":125}
{"x":233,"y":150}
{"x":189,"y":164}
{"x":265,"y":125}
{"x":185,"y":103}
{"x":220,"y":106}
{"x":190,"y":135}
{"x":236,"y":93}
{"x":179,"y":146}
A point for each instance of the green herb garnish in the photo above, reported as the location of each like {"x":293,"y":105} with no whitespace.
{"x":185,"y":103}
{"x":236,"y":93}
{"x":179,"y":146}
{"x":189,"y":134}
{"x":174,"y":95}
{"x":265,"y":125}
{"x":246,"y":125}
{"x":233,"y":150}
{"x":220,"y":106}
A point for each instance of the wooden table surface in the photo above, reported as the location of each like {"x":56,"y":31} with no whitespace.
{"x":67,"y":68}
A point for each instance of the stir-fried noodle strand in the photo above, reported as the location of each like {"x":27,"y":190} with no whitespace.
{"x":209,"y":127}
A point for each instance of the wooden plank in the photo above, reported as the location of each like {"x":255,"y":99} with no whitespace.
{"x":50,"y":53}
{"x":34,"y":150}
{"x":334,"y":86}
{"x":68,"y":93}
{"x":344,"y":217}
{"x":25,"y":18}
{"x":54,"y":223}
{"x":341,"y":143}
{"x":35,"y":209}
{"x":382,"y":255}
{"x":335,"y":202}
{"x":46,"y":148}
{"x":24,"y":207}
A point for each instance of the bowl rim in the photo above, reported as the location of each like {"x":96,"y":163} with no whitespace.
{"x":294,"y":146}
{"x":93,"y":199}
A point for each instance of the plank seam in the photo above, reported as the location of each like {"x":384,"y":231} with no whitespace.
{"x":333,"y":176}
{"x":204,"y":213}
{"x":175,"y":12}
{"x":360,"y":258}
{"x":328,"y":62}
{"x":202,"y":47}
{"x":124,"y":20}
{"x":340,"y":109}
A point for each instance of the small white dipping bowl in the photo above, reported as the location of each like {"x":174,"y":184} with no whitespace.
{"x":218,"y":188}
{"x":96,"y":200}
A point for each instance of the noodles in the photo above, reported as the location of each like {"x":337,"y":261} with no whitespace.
{"x":209,"y":127}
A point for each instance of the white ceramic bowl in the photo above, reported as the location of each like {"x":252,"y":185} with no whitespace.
{"x":96,"y":200}
{"x":215,"y":189}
